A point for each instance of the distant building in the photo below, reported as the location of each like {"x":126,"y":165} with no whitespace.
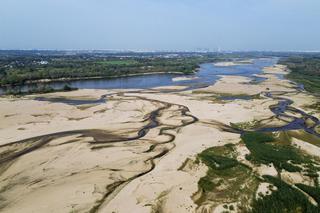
{"x":43,"y":62}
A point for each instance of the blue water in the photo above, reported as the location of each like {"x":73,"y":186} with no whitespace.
{"x":208,"y":74}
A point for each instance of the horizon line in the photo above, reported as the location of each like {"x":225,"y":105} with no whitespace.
{"x":164,"y":51}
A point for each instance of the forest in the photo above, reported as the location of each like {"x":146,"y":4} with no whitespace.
{"x":20,"y":69}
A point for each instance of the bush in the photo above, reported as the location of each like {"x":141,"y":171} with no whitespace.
{"x":284,"y":199}
{"x":66,"y":87}
{"x":263,"y":151}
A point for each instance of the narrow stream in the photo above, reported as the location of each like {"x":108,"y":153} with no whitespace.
{"x":298,"y":122}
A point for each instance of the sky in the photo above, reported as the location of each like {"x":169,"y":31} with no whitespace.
{"x":243,"y":25}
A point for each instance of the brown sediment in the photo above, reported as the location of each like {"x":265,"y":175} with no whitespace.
{"x":76,"y":119}
{"x":41,"y":115}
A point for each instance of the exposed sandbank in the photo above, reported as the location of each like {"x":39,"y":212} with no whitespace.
{"x":78,"y":170}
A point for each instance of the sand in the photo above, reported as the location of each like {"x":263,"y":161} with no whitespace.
{"x":276,"y":69}
{"x":232,"y":63}
{"x":94,"y":161}
{"x":184,"y":78}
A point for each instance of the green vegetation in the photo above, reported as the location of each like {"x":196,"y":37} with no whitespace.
{"x":311,"y":83}
{"x":19,"y":70}
{"x":245,"y":125}
{"x":306,"y":70}
{"x":315,"y":106}
{"x":218,"y":162}
{"x":38,"y":90}
{"x":314,"y":192}
{"x":282,"y":156}
{"x":227,"y":180}
{"x":284,"y":199}
{"x":305,"y":136}
{"x":226,"y":96}
{"x":118,"y":62}
{"x":220,"y":98}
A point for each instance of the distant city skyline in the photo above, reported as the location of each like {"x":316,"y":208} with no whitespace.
{"x":150,"y":25}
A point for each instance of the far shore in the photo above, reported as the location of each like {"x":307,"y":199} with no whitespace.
{"x":95,"y":77}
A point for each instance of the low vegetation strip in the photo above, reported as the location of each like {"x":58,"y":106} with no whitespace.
{"x":19,"y":70}
{"x":305,"y":69}
{"x":39,"y":90}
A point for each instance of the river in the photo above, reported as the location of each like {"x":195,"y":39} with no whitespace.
{"x":207,"y":74}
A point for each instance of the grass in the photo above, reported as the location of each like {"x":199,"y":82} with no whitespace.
{"x":238,"y":96}
{"x":221,"y":98}
{"x":264,"y":151}
{"x":305,"y":69}
{"x":311,"y":83}
{"x":245,"y":125}
{"x":215,"y":157}
{"x":118,"y":62}
{"x":39,"y":90}
{"x":304,"y":136}
{"x":314,"y":192}
{"x":285,"y":199}
{"x":315,"y":106}
{"x":227,"y":180}
{"x":218,"y":162}
{"x":24,"y":70}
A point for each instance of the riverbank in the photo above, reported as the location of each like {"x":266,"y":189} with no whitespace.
{"x":102,"y":77}
{"x":135,"y":146}
{"x":304,"y":70}
{"x":45,"y":82}
{"x":203,"y":76}
{"x":17,"y":70}
{"x":233,"y":63}
{"x":38,"y":90}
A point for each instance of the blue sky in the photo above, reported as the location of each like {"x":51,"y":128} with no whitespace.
{"x":160,"y":24}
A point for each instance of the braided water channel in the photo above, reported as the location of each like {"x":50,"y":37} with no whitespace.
{"x":281,"y":109}
{"x":102,"y":137}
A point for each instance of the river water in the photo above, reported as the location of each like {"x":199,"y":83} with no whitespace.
{"x":207,"y":75}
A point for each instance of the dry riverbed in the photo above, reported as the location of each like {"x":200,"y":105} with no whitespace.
{"x":138,"y":150}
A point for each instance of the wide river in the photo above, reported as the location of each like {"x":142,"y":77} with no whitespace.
{"x":208,"y":74}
